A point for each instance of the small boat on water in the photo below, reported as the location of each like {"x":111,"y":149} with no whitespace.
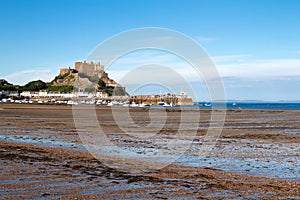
{"x":168,"y":105}
{"x":70,"y":102}
{"x":110,"y":104}
{"x":164,"y":104}
{"x":207,"y":104}
{"x":160,"y":103}
{"x":133,"y":104}
{"x":144,"y":105}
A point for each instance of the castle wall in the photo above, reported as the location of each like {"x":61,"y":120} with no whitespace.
{"x":90,"y":69}
{"x":185,"y":102}
{"x":78,"y":66}
{"x":64,"y":71}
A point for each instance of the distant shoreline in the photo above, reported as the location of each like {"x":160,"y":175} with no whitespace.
{"x":176,"y":108}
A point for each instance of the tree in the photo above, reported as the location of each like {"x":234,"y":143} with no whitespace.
{"x":4,"y":82}
{"x":68,"y":88}
{"x":101,"y":83}
{"x":6,"y":86}
{"x":119,"y":91}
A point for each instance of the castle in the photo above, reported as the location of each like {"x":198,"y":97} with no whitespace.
{"x":89,"y":69}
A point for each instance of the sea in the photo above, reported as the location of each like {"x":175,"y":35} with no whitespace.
{"x":251,"y":105}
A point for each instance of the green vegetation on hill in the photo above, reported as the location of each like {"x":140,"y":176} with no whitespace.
{"x":112,"y":91}
{"x":53,"y":88}
{"x":41,"y":85}
{"x":35,"y":86}
{"x":60,"y":77}
{"x":64,"y":85}
{"x":101,"y":84}
{"x":31,"y":86}
{"x":6,"y":86}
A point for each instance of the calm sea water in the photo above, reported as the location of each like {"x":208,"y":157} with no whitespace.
{"x":253,"y":105}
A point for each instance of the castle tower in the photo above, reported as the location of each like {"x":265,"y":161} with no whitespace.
{"x":90,"y":69}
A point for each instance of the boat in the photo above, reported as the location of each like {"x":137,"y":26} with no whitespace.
{"x":160,"y":103}
{"x":70,"y":102}
{"x":110,"y":104}
{"x":207,"y":104}
{"x":168,"y":105}
{"x":144,"y":105}
{"x":133,"y":104}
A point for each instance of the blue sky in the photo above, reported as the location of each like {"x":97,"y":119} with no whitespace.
{"x":254,"y":44}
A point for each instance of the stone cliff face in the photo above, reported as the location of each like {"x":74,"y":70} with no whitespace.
{"x":65,"y":79}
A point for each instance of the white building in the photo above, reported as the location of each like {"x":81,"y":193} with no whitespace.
{"x":29,"y":94}
{"x":101,"y":95}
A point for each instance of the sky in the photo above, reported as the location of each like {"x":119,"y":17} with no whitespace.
{"x":254,"y":44}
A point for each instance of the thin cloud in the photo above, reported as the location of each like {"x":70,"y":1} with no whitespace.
{"x":273,"y":68}
{"x":23,"y":77}
{"x":230,"y":58}
{"x":227,"y":65}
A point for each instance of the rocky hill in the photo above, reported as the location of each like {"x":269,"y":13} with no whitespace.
{"x":89,"y":77}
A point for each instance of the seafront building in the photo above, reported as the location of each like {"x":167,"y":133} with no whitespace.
{"x":154,"y":99}
{"x":59,"y":95}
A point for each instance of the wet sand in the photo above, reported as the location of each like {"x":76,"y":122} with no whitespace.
{"x":41,"y":155}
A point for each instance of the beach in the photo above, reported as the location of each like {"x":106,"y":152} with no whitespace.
{"x":256,"y":156}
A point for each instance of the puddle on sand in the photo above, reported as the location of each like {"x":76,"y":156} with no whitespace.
{"x":248,"y":166}
{"x":281,"y":166}
{"x":292,"y":132}
{"x":40,"y":141}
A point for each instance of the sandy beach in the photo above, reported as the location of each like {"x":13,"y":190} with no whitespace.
{"x":42,"y":156}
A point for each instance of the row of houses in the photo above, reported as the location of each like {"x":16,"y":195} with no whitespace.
{"x":11,"y":94}
{"x":101,"y":94}
{"x":46,"y":94}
